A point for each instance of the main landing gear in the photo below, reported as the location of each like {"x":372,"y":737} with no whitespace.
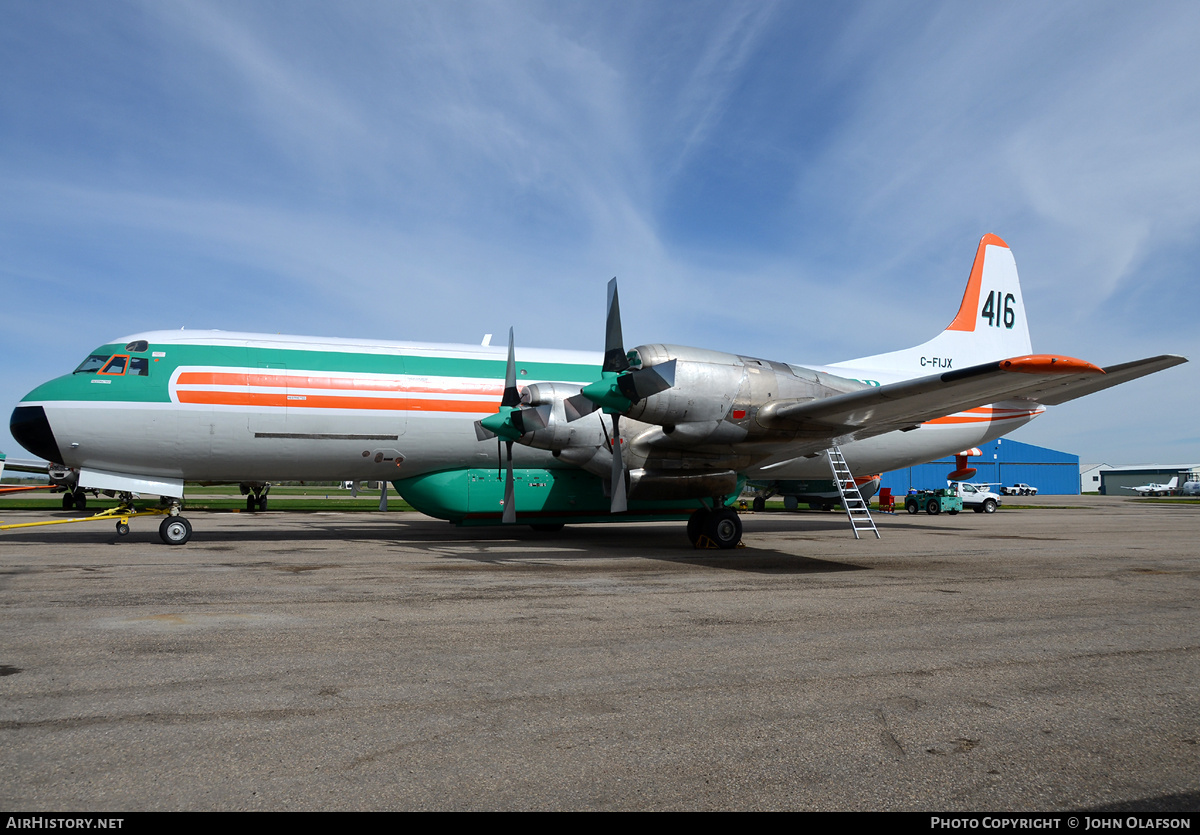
{"x":256,"y":495}
{"x":715,"y":527}
{"x":74,"y":500}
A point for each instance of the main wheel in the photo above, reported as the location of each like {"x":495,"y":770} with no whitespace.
{"x":262,"y":503}
{"x":695,"y":525}
{"x":251,"y":505}
{"x":989,"y":505}
{"x":175,"y":530}
{"x":759,"y":504}
{"x":911,"y":506}
{"x":724,"y":527}
{"x":80,"y":500}
{"x":68,"y":501}
{"x":933,"y":508}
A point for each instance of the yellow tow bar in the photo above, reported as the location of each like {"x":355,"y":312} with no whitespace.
{"x":121,"y":513}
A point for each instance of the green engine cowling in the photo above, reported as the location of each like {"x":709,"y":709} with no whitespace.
{"x":566,"y":496}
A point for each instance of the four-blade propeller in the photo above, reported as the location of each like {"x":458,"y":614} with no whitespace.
{"x":509,"y":424}
{"x":620,"y":386}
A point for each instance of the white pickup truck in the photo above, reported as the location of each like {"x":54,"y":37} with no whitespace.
{"x":1019,"y":489}
{"x":975,"y":496}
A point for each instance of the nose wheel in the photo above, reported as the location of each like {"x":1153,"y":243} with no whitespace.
{"x":175,"y":530}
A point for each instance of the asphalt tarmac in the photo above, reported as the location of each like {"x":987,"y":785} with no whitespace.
{"x":1037,"y":659}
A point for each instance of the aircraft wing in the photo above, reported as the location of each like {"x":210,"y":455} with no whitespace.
{"x":1113,"y":375}
{"x":18,"y":465}
{"x":903,"y":405}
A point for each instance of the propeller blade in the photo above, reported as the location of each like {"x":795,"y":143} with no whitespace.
{"x":614,"y":345}
{"x":512,"y":397}
{"x":644,"y":382}
{"x":578,"y":406}
{"x":482,"y":433}
{"x":510,"y":504}
{"x":619,"y":504}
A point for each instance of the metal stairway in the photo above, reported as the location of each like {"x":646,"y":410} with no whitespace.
{"x":857,"y":510}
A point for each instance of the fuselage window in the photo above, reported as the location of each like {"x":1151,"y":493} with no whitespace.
{"x":116,"y":365}
{"x":93,"y":364}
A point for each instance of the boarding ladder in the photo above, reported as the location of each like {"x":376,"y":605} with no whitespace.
{"x":857,"y":510}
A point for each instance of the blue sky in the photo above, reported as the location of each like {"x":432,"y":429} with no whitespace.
{"x":798,"y":181}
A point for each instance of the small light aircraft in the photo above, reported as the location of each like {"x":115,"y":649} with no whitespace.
{"x":660,"y":431}
{"x":1153,"y":489}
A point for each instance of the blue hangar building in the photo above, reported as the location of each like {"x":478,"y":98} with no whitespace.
{"x":1004,"y":461}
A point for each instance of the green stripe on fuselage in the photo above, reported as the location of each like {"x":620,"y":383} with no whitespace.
{"x":153,"y":388}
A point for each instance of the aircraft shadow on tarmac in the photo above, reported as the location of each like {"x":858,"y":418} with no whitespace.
{"x":652,"y":541}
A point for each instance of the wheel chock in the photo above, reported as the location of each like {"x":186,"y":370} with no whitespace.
{"x":707,"y":543}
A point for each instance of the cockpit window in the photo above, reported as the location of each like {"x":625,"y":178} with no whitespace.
{"x":116,"y":365}
{"x":93,"y":364}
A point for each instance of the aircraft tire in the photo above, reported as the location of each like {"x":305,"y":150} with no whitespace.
{"x":933,"y":508}
{"x":175,"y":530}
{"x":724,"y":527}
{"x":262,"y":504}
{"x":251,"y":505}
{"x":759,"y":504}
{"x":696,"y":524}
{"x":989,"y":506}
{"x":68,"y":501}
{"x":80,"y":500}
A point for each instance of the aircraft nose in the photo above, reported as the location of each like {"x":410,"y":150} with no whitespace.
{"x":31,"y":430}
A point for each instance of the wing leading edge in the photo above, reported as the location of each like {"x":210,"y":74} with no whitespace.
{"x":1040,"y":379}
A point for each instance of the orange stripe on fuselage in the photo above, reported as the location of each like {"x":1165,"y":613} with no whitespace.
{"x":985,"y":414}
{"x":328,"y":401}
{"x":225,"y":378}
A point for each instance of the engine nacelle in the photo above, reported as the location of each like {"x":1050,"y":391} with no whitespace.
{"x":715,"y":394}
{"x":582,"y":443}
{"x":706,"y":385}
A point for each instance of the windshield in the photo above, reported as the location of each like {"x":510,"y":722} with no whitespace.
{"x":110,"y":365}
{"x":93,"y":364}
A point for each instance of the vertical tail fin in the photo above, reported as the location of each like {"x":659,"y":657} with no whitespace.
{"x":990,"y":324}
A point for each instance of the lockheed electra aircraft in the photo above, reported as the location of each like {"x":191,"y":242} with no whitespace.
{"x":471,"y":434}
